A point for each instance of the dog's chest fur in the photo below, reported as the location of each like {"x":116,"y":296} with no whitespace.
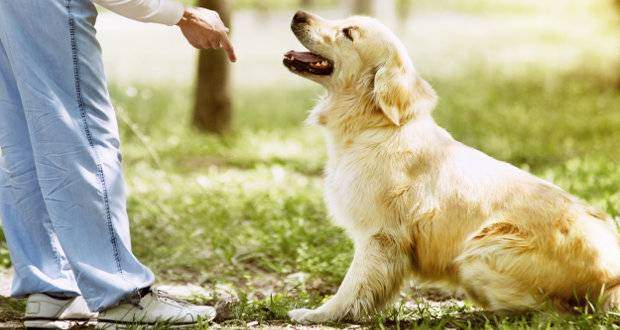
{"x":364,"y":185}
{"x":351,"y":182}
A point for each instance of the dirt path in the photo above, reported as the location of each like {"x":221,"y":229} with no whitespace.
{"x":5,"y":286}
{"x":5,"y":282}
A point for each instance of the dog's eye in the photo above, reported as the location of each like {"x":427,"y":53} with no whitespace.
{"x":347,"y":33}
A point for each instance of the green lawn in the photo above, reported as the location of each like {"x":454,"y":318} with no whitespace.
{"x":246,"y":210}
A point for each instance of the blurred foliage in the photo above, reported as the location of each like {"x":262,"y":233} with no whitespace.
{"x":532,"y":118}
{"x":280,"y":4}
{"x":5,"y":260}
{"x":477,"y":6}
{"x":271,"y":4}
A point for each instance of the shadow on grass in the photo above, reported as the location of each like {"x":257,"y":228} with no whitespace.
{"x":11,"y":309}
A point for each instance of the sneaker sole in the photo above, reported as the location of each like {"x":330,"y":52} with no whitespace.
{"x":133,"y":325}
{"x":58,"y":324}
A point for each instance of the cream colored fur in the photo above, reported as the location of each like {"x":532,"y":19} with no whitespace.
{"x":417,"y":203}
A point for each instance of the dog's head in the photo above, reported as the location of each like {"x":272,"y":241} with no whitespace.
{"x":360,"y":55}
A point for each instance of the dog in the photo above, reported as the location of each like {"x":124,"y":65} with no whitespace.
{"x":418,"y":204}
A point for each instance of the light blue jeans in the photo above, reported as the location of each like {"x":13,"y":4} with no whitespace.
{"x":62,"y":198}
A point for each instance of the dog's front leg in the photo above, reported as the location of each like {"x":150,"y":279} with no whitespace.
{"x":378,"y":270}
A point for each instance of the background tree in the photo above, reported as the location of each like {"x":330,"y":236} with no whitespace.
{"x":385,"y":10}
{"x":362,"y":7}
{"x":617,"y":5}
{"x":213,"y":105}
{"x":403,"y":11}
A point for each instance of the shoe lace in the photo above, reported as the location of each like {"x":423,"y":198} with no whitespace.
{"x":168,"y":298}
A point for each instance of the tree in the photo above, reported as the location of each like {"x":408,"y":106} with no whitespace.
{"x":362,"y":7}
{"x":213,"y":106}
{"x":617,"y":5}
{"x":403,"y":10}
{"x":384,"y":10}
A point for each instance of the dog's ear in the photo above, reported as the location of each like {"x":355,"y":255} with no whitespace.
{"x":400,"y":93}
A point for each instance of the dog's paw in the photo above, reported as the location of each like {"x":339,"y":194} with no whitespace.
{"x":305,"y":316}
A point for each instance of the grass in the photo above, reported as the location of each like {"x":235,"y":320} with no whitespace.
{"x":10,"y":309}
{"x":246,"y":210}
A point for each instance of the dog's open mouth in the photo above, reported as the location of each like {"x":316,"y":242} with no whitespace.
{"x":308,"y":62}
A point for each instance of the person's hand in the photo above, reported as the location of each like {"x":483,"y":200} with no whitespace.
{"x":204,"y":29}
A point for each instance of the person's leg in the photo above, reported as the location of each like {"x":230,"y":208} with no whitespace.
{"x":39,"y":262}
{"x":55,"y":56}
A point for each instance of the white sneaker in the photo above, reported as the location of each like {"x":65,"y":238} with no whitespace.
{"x":155,"y":308}
{"x":43,"y":311}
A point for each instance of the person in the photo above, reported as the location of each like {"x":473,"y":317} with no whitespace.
{"x":62,"y":198}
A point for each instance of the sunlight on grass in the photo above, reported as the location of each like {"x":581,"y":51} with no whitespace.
{"x":247,"y":209}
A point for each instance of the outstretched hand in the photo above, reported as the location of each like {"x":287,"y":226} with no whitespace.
{"x":204,"y":29}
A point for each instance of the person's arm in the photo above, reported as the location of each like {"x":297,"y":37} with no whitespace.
{"x":202,"y":27}
{"x":152,"y":11}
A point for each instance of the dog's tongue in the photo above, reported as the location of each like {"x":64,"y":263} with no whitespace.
{"x":306,"y":57}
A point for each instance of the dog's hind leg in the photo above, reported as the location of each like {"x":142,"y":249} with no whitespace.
{"x":495,"y":265}
{"x":611,"y":297}
{"x":507,"y":267}
{"x":494,"y":290}
{"x":379,"y":268}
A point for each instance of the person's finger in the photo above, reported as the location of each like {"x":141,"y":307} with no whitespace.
{"x":228,"y":48}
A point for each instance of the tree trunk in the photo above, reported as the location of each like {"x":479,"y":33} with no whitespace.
{"x":362,"y":7}
{"x":617,"y":4}
{"x":213,"y":107}
{"x":403,"y":10}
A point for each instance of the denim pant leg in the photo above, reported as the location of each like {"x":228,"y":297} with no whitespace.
{"x":56,"y":61}
{"x":38,"y":260}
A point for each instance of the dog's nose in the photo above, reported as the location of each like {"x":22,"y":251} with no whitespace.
{"x":300,"y":17}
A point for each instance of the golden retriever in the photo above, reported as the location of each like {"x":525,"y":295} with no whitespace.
{"x":417,"y":203}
